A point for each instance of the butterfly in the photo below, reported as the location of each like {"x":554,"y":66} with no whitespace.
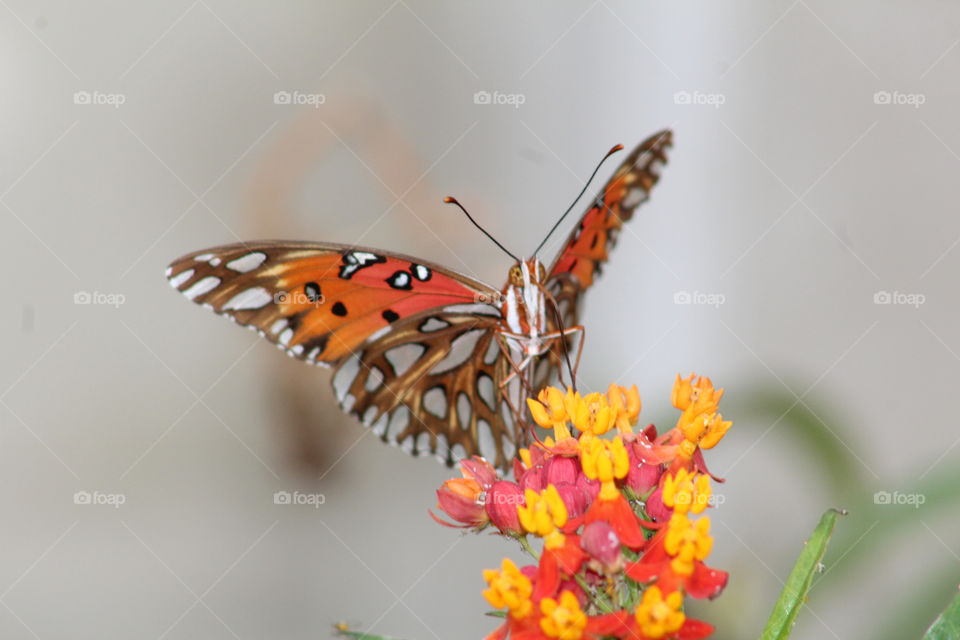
{"x":432,"y":360}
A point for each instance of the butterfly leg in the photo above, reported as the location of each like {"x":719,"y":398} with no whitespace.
{"x":563,"y":334}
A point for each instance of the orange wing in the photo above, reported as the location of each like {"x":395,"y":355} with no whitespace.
{"x":320,"y":302}
{"x":588,"y":246}
{"x":630,"y":186}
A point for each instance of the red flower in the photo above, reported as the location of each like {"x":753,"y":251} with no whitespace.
{"x":501,"y":506}
{"x":678,"y":570}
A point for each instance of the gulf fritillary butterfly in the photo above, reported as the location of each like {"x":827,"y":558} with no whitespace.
{"x":427,"y":357}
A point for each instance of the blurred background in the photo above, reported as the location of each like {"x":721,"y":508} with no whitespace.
{"x":801,"y":249}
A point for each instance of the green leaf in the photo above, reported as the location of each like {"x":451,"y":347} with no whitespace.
{"x":339,"y":631}
{"x":797,"y":587}
{"x":947,"y":626}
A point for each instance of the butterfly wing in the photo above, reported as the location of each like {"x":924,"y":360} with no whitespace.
{"x":432,"y":385}
{"x":319,"y":302}
{"x":396,"y":328}
{"x":588,"y":246}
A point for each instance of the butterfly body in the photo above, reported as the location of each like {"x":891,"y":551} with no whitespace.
{"x":432,"y":360}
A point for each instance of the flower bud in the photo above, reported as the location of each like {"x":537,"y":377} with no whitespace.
{"x":574,"y":499}
{"x":459,"y":498}
{"x":560,"y":470}
{"x":478,"y":469}
{"x":600,"y":541}
{"x":655,"y":507}
{"x":502,"y":501}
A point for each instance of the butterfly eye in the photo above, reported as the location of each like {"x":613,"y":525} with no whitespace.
{"x":541,"y":272}
{"x":516,"y":276}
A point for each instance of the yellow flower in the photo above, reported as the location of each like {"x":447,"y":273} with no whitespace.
{"x":704,"y":430}
{"x":626,"y":406}
{"x":687,"y":541}
{"x":564,"y":619}
{"x":686,"y":491}
{"x":592,"y":414}
{"x":508,"y":589}
{"x":606,"y":461}
{"x":543,"y":513}
{"x":658,"y":616}
{"x":550,"y":411}
{"x":696,"y":394}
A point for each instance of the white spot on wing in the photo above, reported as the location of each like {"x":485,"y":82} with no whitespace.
{"x":433,"y":324}
{"x":493,"y":351}
{"x":403,"y":357}
{"x":475,"y":308}
{"x":374,"y":380}
{"x":407,"y":445}
{"x":203,"y":257}
{"x":200,"y":287}
{"x":435,"y":402}
{"x":486,"y":392}
{"x":461,"y":349}
{"x":181,"y":277}
{"x":380,"y":426}
{"x":488,"y":448}
{"x":634,"y":197}
{"x":369,"y":415}
{"x":278,"y":326}
{"x":285,"y":336}
{"x":344,"y":377}
{"x":464,"y":411}
{"x":246,"y":263}
{"x":398,"y":421}
{"x":459,"y":453}
{"x":252,"y":298}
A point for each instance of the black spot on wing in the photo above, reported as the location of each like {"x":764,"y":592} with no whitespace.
{"x":339,"y":309}
{"x":390,"y":315}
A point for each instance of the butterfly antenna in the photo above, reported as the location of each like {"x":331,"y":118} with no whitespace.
{"x":612,"y":151}
{"x":452,"y":200}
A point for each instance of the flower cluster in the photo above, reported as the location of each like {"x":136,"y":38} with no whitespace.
{"x":619,"y":513}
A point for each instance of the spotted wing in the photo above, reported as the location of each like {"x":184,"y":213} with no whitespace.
{"x":319,"y":302}
{"x":432,"y":385}
{"x":414,"y":344}
{"x":588,"y":246}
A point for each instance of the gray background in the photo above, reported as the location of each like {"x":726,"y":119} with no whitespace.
{"x":797,"y":200}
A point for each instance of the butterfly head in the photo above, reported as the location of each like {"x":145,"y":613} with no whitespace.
{"x":526,"y":273}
